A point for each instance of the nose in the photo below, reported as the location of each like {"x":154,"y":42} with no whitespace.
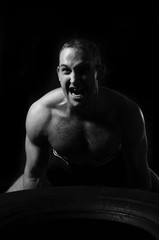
{"x":74,"y":78}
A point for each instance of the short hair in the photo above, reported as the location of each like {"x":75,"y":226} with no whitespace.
{"x":86,"y":45}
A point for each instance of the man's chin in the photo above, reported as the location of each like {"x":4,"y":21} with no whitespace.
{"x":78,"y":105}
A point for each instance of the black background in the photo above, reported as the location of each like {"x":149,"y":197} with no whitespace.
{"x":29,"y":42}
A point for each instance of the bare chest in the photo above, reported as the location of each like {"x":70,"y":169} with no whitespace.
{"x":83,"y":140}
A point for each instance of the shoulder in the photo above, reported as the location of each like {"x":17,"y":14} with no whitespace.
{"x":52,"y":98}
{"x":40,"y":114}
{"x":128,"y":111}
{"x":132,"y":118}
{"x":126,"y":106}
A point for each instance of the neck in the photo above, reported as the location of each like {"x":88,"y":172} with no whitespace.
{"x":85,"y":111}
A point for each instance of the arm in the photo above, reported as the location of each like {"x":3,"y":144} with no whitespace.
{"x":36,"y":147}
{"x":34,"y":175}
{"x":36,"y":165}
{"x":135,"y":146}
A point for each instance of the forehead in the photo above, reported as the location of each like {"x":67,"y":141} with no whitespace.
{"x":74,"y":55}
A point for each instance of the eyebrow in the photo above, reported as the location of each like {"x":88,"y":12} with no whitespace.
{"x":63,"y":65}
{"x":78,"y":65}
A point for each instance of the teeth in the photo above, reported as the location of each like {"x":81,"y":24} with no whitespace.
{"x":77,"y":92}
{"x":77,"y":95}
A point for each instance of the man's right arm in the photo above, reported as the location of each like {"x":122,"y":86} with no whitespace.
{"x":36,"y":165}
{"x":34,"y":175}
{"x":36,"y":148}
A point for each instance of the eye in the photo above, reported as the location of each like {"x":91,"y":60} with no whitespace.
{"x":65,"y":70}
{"x":85,"y":69}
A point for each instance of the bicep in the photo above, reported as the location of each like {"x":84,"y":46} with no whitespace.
{"x":36,"y":159}
{"x":134,"y":137}
{"x":138,"y":172}
{"x":136,"y":156}
{"x":36,"y":140}
{"x":135,"y":151}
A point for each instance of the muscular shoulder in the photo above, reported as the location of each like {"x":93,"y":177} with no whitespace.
{"x":133,"y":120}
{"x":123,"y":103}
{"x":128,"y":108}
{"x":129,"y":113}
{"x":53,"y":98}
{"x":40,"y":114}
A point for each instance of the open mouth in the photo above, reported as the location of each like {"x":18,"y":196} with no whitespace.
{"x":77,"y":93}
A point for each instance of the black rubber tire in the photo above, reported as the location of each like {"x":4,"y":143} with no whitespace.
{"x":80,"y":212}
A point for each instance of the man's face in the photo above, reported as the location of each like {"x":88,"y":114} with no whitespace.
{"x":77,"y":75}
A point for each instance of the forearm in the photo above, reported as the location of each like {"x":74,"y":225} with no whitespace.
{"x":17,"y":185}
{"x":150,"y":183}
{"x":139,"y":181}
{"x":30,"y":183}
{"x":23,"y":183}
{"x":36,"y":182}
{"x":154,"y":181}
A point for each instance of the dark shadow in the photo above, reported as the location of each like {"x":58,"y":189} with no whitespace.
{"x":77,"y":229}
{"x":80,"y":212}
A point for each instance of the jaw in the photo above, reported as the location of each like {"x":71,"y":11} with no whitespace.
{"x":82,"y":106}
{"x":77,"y":101}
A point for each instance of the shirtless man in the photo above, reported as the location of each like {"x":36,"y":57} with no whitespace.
{"x":87,"y":127}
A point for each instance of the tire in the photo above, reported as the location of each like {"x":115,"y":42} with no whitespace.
{"x":80,"y":212}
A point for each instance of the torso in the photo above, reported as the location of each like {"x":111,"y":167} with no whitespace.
{"x":89,"y":149}
{"x":86,"y":141}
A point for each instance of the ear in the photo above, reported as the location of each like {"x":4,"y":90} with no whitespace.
{"x":58,"y":70}
{"x":100,"y":72}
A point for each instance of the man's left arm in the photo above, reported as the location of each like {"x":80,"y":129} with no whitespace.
{"x":135,"y":146}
